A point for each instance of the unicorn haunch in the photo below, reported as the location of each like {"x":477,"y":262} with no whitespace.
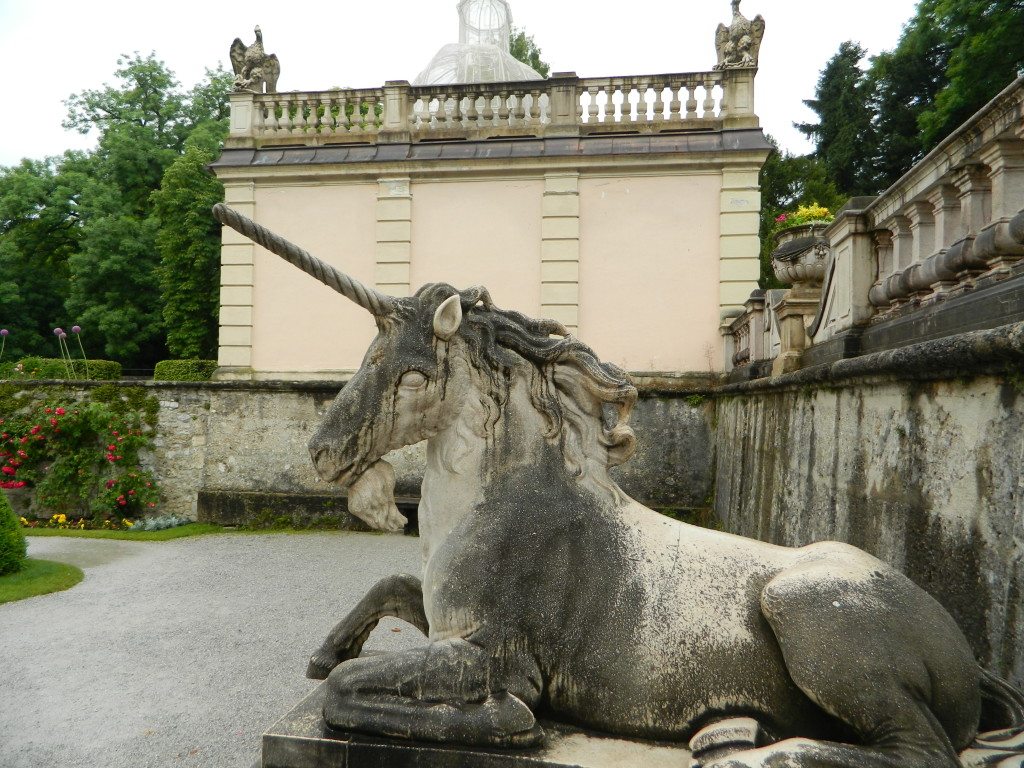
{"x":547,"y":590}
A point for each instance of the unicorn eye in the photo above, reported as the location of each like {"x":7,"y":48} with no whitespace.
{"x":413,"y":380}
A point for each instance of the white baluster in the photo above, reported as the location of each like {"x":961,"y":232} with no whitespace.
{"x":675,"y":105}
{"x":659,"y":103}
{"x":503,"y":110}
{"x":284,"y":124}
{"x":473,"y":117}
{"x":691,"y":101}
{"x":299,"y":123}
{"x":488,"y":116}
{"x":520,"y":114}
{"x":609,"y":106}
{"x":592,"y":90}
{"x":709,"y":100}
{"x":357,"y":114}
{"x":535,"y":107}
{"x":314,"y":114}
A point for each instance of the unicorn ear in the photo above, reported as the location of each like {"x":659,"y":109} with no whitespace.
{"x":448,"y":318}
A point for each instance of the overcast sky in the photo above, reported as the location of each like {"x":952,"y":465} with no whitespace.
{"x":53,"y":48}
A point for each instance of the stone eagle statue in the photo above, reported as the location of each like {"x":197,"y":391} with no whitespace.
{"x":255,"y":70}
{"x":739,"y":43}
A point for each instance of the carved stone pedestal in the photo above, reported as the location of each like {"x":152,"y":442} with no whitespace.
{"x":794,"y":312}
{"x":300,"y":740}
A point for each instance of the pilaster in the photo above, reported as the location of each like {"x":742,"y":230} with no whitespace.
{"x":237,"y":278}
{"x":739,"y":240}
{"x":394,"y":236}
{"x":560,"y":250}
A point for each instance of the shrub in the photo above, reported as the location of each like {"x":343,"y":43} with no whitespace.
{"x":12,"y":540}
{"x":184,"y":370}
{"x":83,"y":458}
{"x":55,"y":368}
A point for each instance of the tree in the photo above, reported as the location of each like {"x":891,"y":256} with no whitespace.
{"x":525,"y":49}
{"x":143,"y":123}
{"x":904,"y":83}
{"x":39,"y":230}
{"x":188,"y":240}
{"x":843,"y":133}
{"x":985,"y":40}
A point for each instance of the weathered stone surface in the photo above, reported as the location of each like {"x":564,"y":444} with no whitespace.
{"x":739,"y":44}
{"x":301,"y":740}
{"x":254,"y":69}
{"x":925,"y":475}
{"x":546,"y":590}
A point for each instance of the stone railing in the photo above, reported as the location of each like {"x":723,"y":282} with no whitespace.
{"x":563,"y":105}
{"x":951,"y":226}
{"x":754,"y":336}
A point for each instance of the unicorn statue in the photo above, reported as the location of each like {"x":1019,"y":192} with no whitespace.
{"x":547,"y":591}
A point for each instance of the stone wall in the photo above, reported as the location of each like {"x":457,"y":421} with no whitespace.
{"x":923,"y":470}
{"x":237,"y":439}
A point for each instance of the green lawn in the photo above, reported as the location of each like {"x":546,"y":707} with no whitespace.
{"x":38,"y":577}
{"x":181,"y":532}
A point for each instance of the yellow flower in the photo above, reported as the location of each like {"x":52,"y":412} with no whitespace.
{"x":23,"y":521}
{"x":62,"y":519}
{"x":128,"y":523}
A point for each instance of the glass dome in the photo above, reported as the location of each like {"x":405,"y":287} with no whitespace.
{"x":482,"y":53}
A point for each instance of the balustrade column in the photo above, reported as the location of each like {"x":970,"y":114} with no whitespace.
{"x":945,"y":202}
{"x":397,"y":112}
{"x":884,"y":266}
{"x":243,"y":108}
{"x":922,"y":230}
{"x":1005,"y":159}
{"x":975,"y":198}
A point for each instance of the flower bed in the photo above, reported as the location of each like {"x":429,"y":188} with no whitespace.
{"x":81,"y":461}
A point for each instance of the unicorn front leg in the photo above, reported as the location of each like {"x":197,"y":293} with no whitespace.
{"x":400,"y":596}
{"x":446,"y":691}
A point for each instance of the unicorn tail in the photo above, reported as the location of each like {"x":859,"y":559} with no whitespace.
{"x":1002,"y":706}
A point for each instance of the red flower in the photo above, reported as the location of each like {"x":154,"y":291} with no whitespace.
{"x":9,"y":471}
{"x":110,"y":484}
{"x":23,"y":454}
{"x":53,"y":422}
{"x":111,"y":447}
{"x":61,"y":411}
{"x":109,"y":457}
{"x":131,"y":493}
{"x":35,"y":430}
{"x":123,"y":503}
{"x":49,"y":410}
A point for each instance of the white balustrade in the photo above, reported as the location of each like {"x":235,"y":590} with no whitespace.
{"x":562,"y":105}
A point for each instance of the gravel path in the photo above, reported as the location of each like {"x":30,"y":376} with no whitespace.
{"x":178,"y":653}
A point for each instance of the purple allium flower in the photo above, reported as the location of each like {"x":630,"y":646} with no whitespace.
{"x":58,"y":331}
{"x":4,"y":332}
{"x":62,"y":336}
{"x":76,"y":329}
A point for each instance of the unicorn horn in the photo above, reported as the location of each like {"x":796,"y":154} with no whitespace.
{"x":378,"y":303}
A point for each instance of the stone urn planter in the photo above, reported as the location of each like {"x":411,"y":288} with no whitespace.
{"x":800,"y":254}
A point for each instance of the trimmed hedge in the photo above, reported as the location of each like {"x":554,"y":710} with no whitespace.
{"x":55,"y":368}
{"x":12,"y":539}
{"x":184,"y":370}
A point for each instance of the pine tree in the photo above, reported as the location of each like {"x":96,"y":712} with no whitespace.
{"x":843,"y":133}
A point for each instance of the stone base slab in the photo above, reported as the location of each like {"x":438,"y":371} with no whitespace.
{"x":301,"y":740}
